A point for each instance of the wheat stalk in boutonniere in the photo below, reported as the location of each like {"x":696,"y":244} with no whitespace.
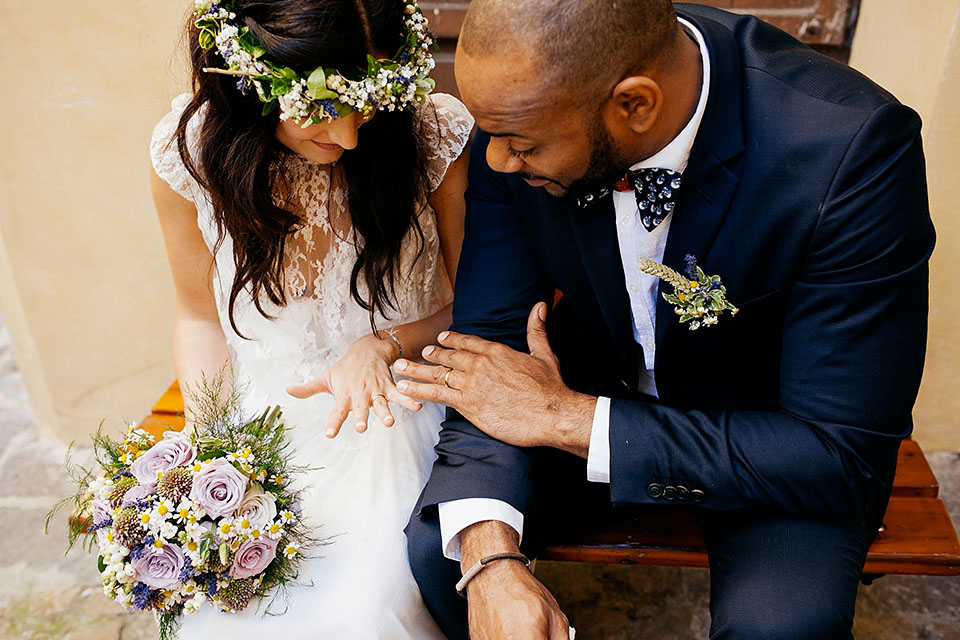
{"x":698,"y":299}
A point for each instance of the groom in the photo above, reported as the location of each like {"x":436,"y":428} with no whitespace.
{"x":797,"y":181}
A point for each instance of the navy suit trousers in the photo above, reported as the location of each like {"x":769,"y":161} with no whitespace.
{"x":772,"y":576}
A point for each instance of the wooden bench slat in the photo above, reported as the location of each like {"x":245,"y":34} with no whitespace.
{"x":918,"y":533}
{"x":156,"y":423}
{"x":919,"y":539}
{"x":914,"y":477}
{"x":171,"y":401}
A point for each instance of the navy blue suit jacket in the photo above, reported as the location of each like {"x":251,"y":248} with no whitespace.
{"x":805,"y":191}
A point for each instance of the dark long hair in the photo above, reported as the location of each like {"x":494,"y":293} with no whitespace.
{"x":385,"y":173}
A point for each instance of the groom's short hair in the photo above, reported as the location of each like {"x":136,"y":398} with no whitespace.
{"x":580,"y":45}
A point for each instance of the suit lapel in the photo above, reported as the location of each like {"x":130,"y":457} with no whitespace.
{"x":596,"y":234}
{"x":711,"y":177}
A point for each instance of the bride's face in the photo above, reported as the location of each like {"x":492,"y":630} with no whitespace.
{"x":324,"y":142}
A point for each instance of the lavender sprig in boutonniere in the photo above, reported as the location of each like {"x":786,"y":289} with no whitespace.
{"x":698,"y":298}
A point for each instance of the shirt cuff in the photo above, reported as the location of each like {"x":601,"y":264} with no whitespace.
{"x":598,"y":455}
{"x":457,"y":515}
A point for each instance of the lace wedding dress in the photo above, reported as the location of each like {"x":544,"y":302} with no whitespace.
{"x":362,"y":586}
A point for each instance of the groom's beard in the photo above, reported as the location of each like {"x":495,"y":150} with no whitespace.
{"x":606,"y":165}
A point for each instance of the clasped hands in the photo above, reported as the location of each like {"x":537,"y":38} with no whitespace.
{"x":514,"y":397}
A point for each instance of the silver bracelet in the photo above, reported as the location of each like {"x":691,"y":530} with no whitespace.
{"x":483,"y":562}
{"x":392,"y":334}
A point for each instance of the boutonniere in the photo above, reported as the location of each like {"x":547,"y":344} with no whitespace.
{"x":698,"y":298}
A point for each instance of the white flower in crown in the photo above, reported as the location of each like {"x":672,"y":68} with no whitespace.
{"x":325,"y":94}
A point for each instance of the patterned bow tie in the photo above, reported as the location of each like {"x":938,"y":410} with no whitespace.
{"x":656,"y":191}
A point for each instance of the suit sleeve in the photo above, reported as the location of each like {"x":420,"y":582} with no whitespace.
{"x":851,"y":357}
{"x":498,"y":282}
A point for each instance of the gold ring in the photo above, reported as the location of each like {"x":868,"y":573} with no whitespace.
{"x":379,"y":395}
{"x":446,"y":379}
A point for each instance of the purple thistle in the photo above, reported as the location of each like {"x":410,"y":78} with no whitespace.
{"x":691,"y":261}
{"x":123,"y":474}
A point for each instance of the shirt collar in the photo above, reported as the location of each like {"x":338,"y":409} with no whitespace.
{"x":675,"y":155}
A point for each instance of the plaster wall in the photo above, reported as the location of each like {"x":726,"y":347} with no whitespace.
{"x":913,"y":50}
{"x":84,"y":285}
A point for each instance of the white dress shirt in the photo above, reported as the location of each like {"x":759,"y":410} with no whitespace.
{"x":635,"y":242}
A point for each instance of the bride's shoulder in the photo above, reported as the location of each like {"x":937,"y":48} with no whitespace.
{"x":446,"y":126}
{"x":165,"y":152}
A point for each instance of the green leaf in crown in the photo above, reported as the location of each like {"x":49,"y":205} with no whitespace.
{"x":324,"y":94}
{"x":698,"y":299}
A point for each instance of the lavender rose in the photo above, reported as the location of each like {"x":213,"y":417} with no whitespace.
{"x":138,"y":492}
{"x":160,"y":570}
{"x":258,"y":506}
{"x":175,"y":450}
{"x":219,"y":488}
{"x":101,"y":511}
{"x":252,"y":557}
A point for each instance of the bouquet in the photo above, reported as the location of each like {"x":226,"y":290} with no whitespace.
{"x":205,"y":517}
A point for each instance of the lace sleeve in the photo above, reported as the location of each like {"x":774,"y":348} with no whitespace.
{"x":447,"y":128}
{"x":164,"y":154}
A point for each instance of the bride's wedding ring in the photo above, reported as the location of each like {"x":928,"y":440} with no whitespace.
{"x":446,"y":379}
{"x":379,"y":395}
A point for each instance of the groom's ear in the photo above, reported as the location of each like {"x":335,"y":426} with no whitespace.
{"x":635,"y":103}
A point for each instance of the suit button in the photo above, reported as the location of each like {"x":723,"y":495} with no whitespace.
{"x":682,"y":493}
{"x":697,"y":496}
{"x":670,"y":492}
{"x":655,"y":490}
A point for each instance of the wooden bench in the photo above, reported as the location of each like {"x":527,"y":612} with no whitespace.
{"x":917,"y":538}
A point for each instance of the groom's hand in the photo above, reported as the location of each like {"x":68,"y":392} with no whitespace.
{"x":505,"y":600}
{"x":514,"y":397}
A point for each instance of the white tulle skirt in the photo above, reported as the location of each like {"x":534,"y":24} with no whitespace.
{"x":360,"y":585}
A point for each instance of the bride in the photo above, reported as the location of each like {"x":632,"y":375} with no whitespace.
{"x":311,"y":201}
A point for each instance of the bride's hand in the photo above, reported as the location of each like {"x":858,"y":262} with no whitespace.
{"x":361,"y":379}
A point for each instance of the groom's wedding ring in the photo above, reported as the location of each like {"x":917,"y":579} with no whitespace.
{"x":379,"y":395}
{"x":446,"y":379}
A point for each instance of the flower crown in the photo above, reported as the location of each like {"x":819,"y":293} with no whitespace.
{"x":325,"y":94}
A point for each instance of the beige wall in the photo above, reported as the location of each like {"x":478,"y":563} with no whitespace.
{"x":913,"y":49}
{"x":84,"y":285}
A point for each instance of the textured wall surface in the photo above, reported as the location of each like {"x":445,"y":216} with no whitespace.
{"x":84,"y":283}
{"x":913,"y":49}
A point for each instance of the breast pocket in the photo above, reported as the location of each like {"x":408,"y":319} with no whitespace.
{"x":735,"y":362}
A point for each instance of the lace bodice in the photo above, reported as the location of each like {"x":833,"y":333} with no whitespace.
{"x":320,"y":319}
